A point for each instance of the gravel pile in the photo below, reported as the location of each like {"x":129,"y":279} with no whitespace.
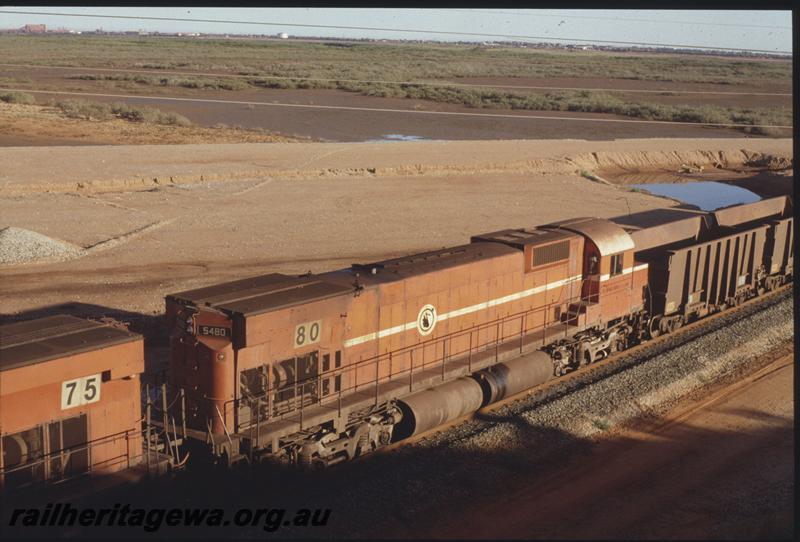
{"x":18,"y":245}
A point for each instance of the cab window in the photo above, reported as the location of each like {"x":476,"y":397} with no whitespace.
{"x":616,"y":265}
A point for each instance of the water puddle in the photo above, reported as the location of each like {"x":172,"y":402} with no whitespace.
{"x":396,"y":137}
{"x":707,"y":195}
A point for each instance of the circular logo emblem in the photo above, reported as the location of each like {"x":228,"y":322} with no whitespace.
{"x":426,"y":320}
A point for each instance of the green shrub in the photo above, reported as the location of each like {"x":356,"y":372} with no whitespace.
{"x":602,"y":424}
{"x":152,"y":80}
{"x":17,"y":98}
{"x":81,"y":109}
{"x":101,"y":111}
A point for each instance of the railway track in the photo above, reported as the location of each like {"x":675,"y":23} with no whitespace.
{"x":636,"y":355}
{"x":769,"y":363}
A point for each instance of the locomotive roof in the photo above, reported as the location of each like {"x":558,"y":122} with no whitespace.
{"x":36,"y":341}
{"x":427,"y":262}
{"x":263,"y":293}
{"x":522,"y":236}
{"x":609,"y":238}
{"x":273,"y":291}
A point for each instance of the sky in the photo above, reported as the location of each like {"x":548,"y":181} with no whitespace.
{"x":763,"y":30}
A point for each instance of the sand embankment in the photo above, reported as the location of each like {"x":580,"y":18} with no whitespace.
{"x":30,"y":170}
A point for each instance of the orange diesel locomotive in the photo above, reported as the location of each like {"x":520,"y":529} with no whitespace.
{"x":321,"y":368}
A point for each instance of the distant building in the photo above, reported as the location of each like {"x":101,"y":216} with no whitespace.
{"x":34,"y":28}
{"x":283,"y":36}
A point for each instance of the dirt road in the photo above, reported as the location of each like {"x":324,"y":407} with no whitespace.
{"x":679,"y":479}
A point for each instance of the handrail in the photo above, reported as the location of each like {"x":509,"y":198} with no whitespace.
{"x":376,"y":360}
{"x":87,"y":446}
{"x":234,"y":405}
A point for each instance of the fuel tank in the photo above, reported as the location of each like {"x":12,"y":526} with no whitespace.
{"x":510,"y":377}
{"x":435,"y":406}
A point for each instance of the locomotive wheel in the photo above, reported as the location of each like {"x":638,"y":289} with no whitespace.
{"x":363,"y":445}
{"x":655,"y":327}
{"x":773,"y":283}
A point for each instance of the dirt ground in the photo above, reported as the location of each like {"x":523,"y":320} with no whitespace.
{"x":678,"y":479}
{"x":103,"y":168}
{"x":290,"y":207}
{"x":205,"y":233}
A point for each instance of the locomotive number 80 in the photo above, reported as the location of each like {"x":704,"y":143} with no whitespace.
{"x":307,"y":333}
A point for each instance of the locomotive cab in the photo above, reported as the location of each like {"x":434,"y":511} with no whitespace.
{"x":613,"y":283}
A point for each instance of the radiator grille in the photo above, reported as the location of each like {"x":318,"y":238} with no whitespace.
{"x":550,"y":253}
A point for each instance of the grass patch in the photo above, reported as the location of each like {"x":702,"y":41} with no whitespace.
{"x":395,"y":62}
{"x":703,"y":378}
{"x":184,"y":82}
{"x":17,"y":98}
{"x":80,"y":109}
{"x":602,"y":424}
